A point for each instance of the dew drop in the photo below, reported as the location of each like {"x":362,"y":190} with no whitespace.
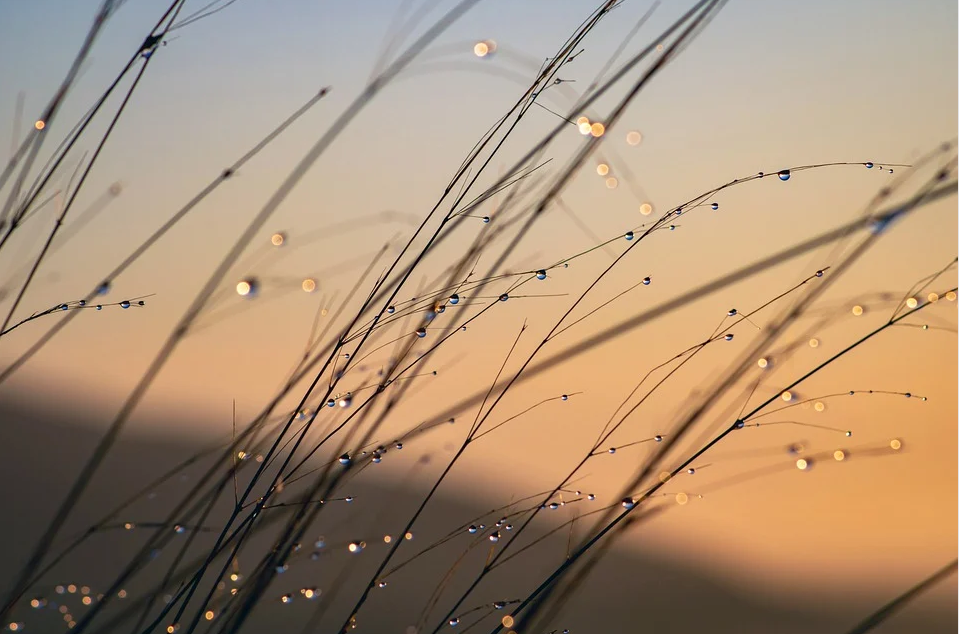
{"x":503,"y":297}
{"x":124,"y":304}
{"x":728,"y":337}
{"x":541,"y":274}
{"x":494,"y":536}
{"x":454,"y":299}
{"x":629,"y":235}
{"x":869,"y":165}
{"x":421,"y":332}
{"x":345,"y":459}
{"x":628,"y":503}
{"x":784,"y":175}
{"x":485,"y":220}
{"x":646,"y":281}
{"x":714,"y":206}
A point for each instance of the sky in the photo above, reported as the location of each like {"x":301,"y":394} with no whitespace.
{"x":764,"y":86}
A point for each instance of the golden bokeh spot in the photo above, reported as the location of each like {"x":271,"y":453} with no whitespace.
{"x":387,"y":539}
{"x":170,"y":629}
{"x":584,"y":128}
{"x":40,"y":124}
{"x":582,"y":120}
{"x":633,"y":137}
{"x":814,"y":343}
{"x":611,"y":182}
{"x":933,"y":297}
{"x":896,"y":444}
{"x":763,"y":362}
{"x":597,"y":129}
{"x":786,"y":396}
{"x":309,"y":285}
{"x":408,"y":536}
{"x":645,"y":209}
{"x":857,"y":310}
{"x":802,"y":464}
{"x":72,"y":588}
{"x":86,"y":600}
{"x":951,"y":296}
{"x":243,"y":288}
{"x":819,"y":406}
{"x":602,"y":169}
{"x":681,"y":498}
{"x":508,"y":621}
{"x":912,"y":302}
{"x":277,"y":239}
{"x":209,"y":615}
{"x":481,"y":49}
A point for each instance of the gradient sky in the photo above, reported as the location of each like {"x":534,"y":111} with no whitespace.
{"x":766,"y":85}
